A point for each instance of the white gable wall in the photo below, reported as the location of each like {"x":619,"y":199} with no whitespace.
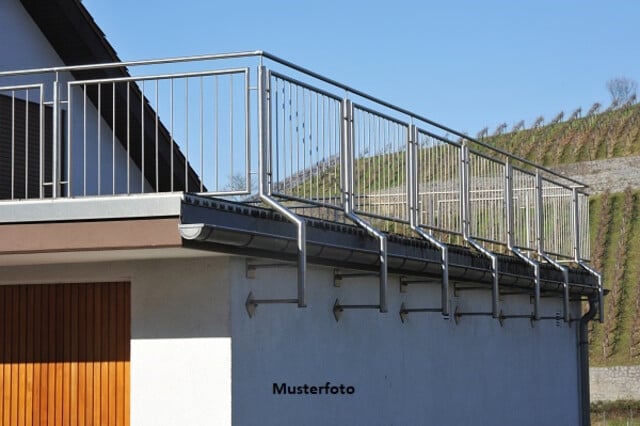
{"x":28,"y":48}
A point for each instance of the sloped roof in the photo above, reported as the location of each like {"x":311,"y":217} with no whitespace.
{"x":78,"y":40}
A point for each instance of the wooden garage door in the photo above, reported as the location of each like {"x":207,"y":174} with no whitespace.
{"x":65,"y":354}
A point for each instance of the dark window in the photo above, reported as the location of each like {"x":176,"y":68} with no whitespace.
{"x":20,"y":175}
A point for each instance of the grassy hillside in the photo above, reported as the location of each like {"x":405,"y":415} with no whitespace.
{"x":615,"y":217}
{"x":613,"y":133}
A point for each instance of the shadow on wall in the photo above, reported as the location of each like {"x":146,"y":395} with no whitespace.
{"x":180,"y":298}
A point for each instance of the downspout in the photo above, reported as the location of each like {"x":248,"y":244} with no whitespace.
{"x":596,"y":305}
{"x":583,"y":361}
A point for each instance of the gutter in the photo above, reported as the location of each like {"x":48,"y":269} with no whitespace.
{"x":583,"y":361}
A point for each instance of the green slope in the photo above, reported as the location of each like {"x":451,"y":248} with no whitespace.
{"x":615,"y":218}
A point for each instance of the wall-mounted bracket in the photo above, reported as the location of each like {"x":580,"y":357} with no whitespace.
{"x":252,"y":267}
{"x":457,"y":288}
{"x":598,"y":276}
{"x":252,"y":303}
{"x":338,"y":276}
{"x":565,"y":285}
{"x":405,"y":281}
{"x":457,"y":315}
{"x":530,"y":317}
{"x":338,"y":308}
{"x":404,"y":311}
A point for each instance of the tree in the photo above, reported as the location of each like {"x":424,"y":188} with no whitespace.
{"x":621,"y":89}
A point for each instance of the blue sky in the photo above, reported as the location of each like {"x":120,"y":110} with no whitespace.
{"x":466,"y":64}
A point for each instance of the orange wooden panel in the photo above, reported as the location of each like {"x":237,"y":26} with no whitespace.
{"x":64,"y":352}
{"x":65,"y":397}
{"x":50,"y":360}
{"x":73,"y":364}
{"x":97,"y":354}
{"x":3,"y":339}
{"x":59,"y":355}
{"x":90,"y":347}
{"x":37,"y":353}
{"x":104,"y":356}
{"x":120,"y":346}
{"x":28,"y":409}
{"x":22,"y":353}
{"x":82,"y":354}
{"x":127,"y":354}
{"x":44,"y":357}
{"x":112,"y":352}
{"x":15,"y":349}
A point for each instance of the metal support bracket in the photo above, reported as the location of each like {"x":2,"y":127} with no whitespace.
{"x":264,"y":166}
{"x":578,"y":255}
{"x":530,"y":317}
{"x":251,"y":268}
{"x":405,"y":282}
{"x":339,"y":308}
{"x":347,"y":164}
{"x":338,"y":276}
{"x":414,"y":220}
{"x":457,"y":315}
{"x":598,"y":276}
{"x":465,"y":208}
{"x":511,"y":240}
{"x":565,"y":285}
{"x":252,"y":303}
{"x":404,"y":311}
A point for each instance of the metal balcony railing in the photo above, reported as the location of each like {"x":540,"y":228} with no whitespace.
{"x":249,"y":124}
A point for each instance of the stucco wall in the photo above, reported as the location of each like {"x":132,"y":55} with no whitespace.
{"x":426,"y":371}
{"x":614,"y":383}
{"x":180,"y":347}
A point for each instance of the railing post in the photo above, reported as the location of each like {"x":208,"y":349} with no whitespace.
{"x":265,"y":173}
{"x":56,"y":137}
{"x":465,"y":213}
{"x":412,"y":175}
{"x":346,"y":158}
{"x":508,"y":198}
{"x":540,"y":219}
{"x":577,"y":253}
{"x":539,"y":214}
{"x":348,"y":184}
{"x":414,"y":217}
{"x":264,"y":136}
{"x":464,"y":190}
{"x":509,"y":204}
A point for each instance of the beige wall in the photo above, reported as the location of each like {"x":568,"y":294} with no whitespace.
{"x":181,"y":345}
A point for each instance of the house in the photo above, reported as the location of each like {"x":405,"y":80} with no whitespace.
{"x":145,"y":280}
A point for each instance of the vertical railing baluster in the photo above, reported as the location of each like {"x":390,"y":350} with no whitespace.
{"x":99,"y":141}
{"x":26,"y":145}
{"x":113,"y":138}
